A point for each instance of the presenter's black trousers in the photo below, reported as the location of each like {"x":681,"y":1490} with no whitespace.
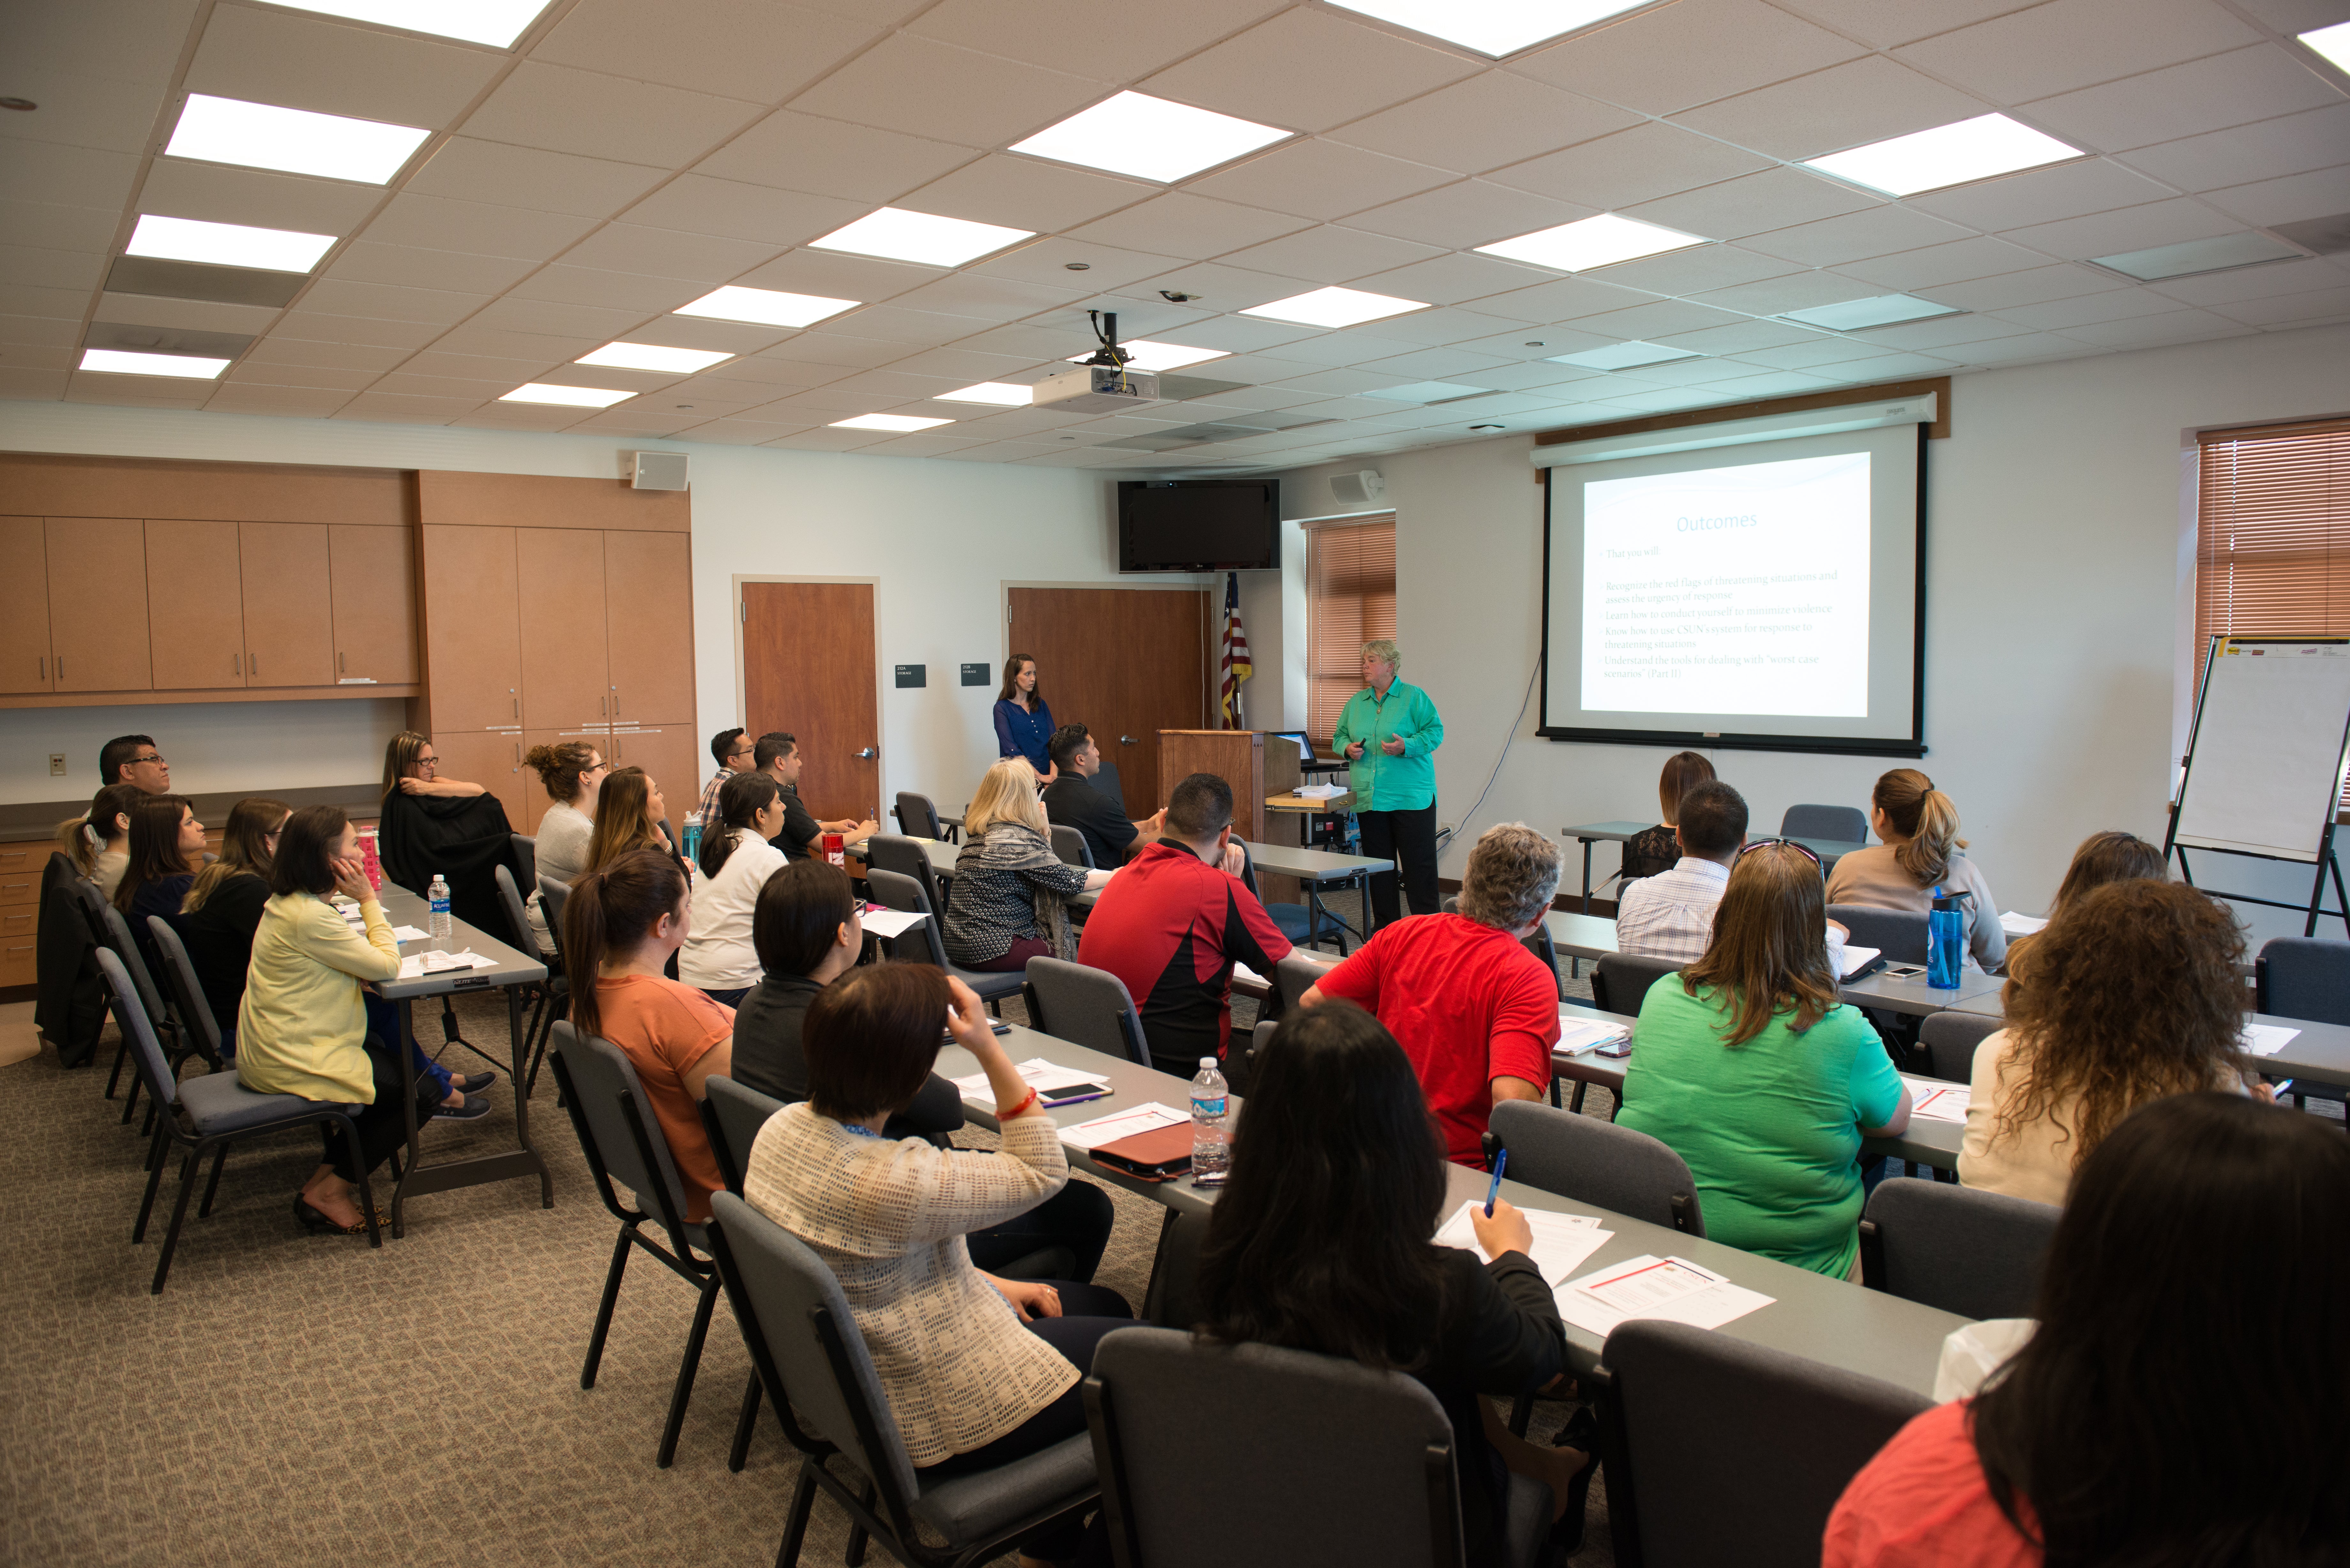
{"x":1408,"y":837}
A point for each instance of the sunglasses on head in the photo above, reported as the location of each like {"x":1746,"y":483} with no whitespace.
{"x":1802,"y":849}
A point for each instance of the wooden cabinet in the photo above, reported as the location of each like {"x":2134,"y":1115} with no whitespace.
{"x":562,"y":614}
{"x":20,"y":911}
{"x":648,"y":611}
{"x":195,"y":605}
{"x":491,"y":759}
{"x":24,"y":607}
{"x":374,"y":591}
{"x":98,"y":589}
{"x":472,"y":615}
{"x":289,"y":617}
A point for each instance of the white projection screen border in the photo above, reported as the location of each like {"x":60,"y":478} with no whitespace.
{"x":1858,"y":701}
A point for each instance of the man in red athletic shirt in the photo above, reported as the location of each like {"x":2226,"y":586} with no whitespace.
{"x":1473,"y":1009}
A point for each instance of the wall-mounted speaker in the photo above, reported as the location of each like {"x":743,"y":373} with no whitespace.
{"x":657,"y":470}
{"x":1358,"y":489}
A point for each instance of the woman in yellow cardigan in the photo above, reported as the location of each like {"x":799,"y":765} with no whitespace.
{"x":303,"y":1027}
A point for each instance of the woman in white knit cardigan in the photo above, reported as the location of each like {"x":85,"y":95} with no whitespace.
{"x":978,"y":1370}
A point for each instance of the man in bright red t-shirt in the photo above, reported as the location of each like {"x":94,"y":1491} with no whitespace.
{"x":1473,"y":1009}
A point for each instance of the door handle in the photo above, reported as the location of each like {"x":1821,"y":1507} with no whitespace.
{"x":1125,"y":740}
{"x":237,"y":664}
{"x":867,"y":755}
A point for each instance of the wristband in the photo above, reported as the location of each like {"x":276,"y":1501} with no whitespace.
{"x":1004,"y":1115}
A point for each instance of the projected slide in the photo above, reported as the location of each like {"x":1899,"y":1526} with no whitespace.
{"x":1729,"y":590}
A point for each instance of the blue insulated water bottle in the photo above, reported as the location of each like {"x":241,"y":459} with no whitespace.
{"x":1946,"y":939}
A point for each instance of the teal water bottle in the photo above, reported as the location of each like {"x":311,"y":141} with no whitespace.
{"x":1946,"y":939}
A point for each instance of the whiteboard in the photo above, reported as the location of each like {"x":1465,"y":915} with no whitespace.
{"x":2265,"y":770}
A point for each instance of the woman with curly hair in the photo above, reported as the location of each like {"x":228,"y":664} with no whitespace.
{"x":2129,"y":995}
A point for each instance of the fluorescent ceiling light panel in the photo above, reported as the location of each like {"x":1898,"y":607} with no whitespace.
{"x":1144,"y":354}
{"x":570,"y":397}
{"x":1625,"y":357}
{"x":901,"y":423}
{"x":1975,"y":148}
{"x":262,"y":136}
{"x":2333,"y":43}
{"x":2215,"y":253}
{"x":1494,"y":27}
{"x":895,"y":233}
{"x":122,"y":362}
{"x":226,"y":245}
{"x":497,"y":22}
{"x":1004,"y":394}
{"x":1588,"y":243}
{"x":1148,"y":138}
{"x":1334,"y":307}
{"x":1428,"y":392}
{"x":767,"y":307}
{"x":1878,"y":310}
{"x":646,"y":357}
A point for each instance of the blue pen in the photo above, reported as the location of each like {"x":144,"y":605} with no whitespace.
{"x":1501,"y":1161}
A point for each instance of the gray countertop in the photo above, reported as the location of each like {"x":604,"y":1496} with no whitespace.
{"x":26,"y":821}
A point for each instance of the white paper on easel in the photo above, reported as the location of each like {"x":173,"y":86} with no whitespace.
{"x":1562,"y":1241}
{"x":1672,"y":1289}
{"x":2268,"y":749}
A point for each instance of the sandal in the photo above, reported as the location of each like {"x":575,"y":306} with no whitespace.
{"x":318,"y":1222}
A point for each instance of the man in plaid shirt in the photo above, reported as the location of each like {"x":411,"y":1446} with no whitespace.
{"x":731,"y":749}
{"x":1670,"y":915}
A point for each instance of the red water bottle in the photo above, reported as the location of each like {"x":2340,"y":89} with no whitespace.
{"x":836,"y":849}
{"x":370,"y":858}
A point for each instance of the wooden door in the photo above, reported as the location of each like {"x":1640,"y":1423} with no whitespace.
{"x":195,"y":605}
{"x":564,"y":684}
{"x":24,"y":607}
{"x":492,"y":759}
{"x":1124,"y":662}
{"x":808,"y":658}
{"x":472,"y":597}
{"x":374,"y":574}
{"x":289,"y":604}
{"x":98,"y":604}
{"x":675,"y":760}
{"x":649,"y":608}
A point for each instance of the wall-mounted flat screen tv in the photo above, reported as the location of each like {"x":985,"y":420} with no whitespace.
{"x":1199,"y":525}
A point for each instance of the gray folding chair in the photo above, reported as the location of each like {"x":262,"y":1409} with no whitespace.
{"x":623,"y":1142}
{"x":1843,"y":824}
{"x":1717,"y":1450}
{"x":187,"y":991}
{"x":1088,"y":1007}
{"x":1241,"y":1065}
{"x":1598,"y":1162}
{"x":1619,"y":983}
{"x":1951,"y":1038}
{"x":124,"y":946}
{"x":907,"y":857}
{"x":1293,"y":977}
{"x":1071,"y":846}
{"x":1899,"y":934}
{"x":1106,"y":780}
{"x":732,"y":1116}
{"x":2304,"y":977}
{"x":1965,"y":1250}
{"x":205,"y":1115}
{"x":1301,"y":923}
{"x":917,"y":816}
{"x":904,"y":895}
{"x":552,"y":895}
{"x":525,"y":853}
{"x":1256,"y":1427}
{"x":548,"y":999}
{"x":811,"y":1360}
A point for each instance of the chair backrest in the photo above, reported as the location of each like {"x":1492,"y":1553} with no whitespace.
{"x":1898,"y":934}
{"x":618,"y":1131}
{"x":1106,"y":780}
{"x":903,"y":894}
{"x":188,"y":998}
{"x":552,"y":895}
{"x":1965,"y":1250}
{"x":2302,"y":977}
{"x":1732,"y":1452}
{"x":732,"y":1114}
{"x":525,"y":939}
{"x":1071,"y":846}
{"x":917,"y":816}
{"x":1293,"y":977}
{"x":1086,"y":1006}
{"x":93,"y":906}
{"x":131,"y":1017}
{"x":1539,"y":942}
{"x":797,"y":1323}
{"x":526,"y":855}
{"x":1595,"y":1161}
{"x":1951,"y":1038}
{"x":1620,"y":981}
{"x":1845,"y":824}
{"x":907,"y":857}
{"x":1240,"y":1067}
{"x":126,"y":946}
{"x":1257,"y":1428}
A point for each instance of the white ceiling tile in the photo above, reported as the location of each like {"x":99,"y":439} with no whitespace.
{"x":1115,"y":42}
{"x":833,"y":276}
{"x":1743,"y":338}
{"x":473,"y":170}
{"x":197,"y":315}
{"x":1181,"y":225}
{"x":327,"y":326}
{"x":1308,"y":71}
{"x":1450,"y":279}
{"x":2086,"y":310}
{"x":338,"y":68}
{"x":382,"y":302}
{"x":2210,"y":94}
{"x":2290,"y":309}
{"x":298,"y":402}
{"x":1646,"y":323}
{"x":1943,"y":331}
{"x":1676,"y":57}
{"x":990,"y":299}
{"x":830,"y":158}
{"x":436,"y":222}
{"x":1483,"y":328}
{"x":48,"y":225}
{"x":138,"y":391}
{"x":802,"y":350}
{"x":1489,"y":121}
{"x":699,"y":204}
{"x":1814,"y":350}
{"x":733,"y":432}
{"x":2288,"y":144}
{"x":1319,"y":179}
{"x":2316,"y":195}
{"x":2036,"y":285}
{"x":597,"y":325}
{"x":1776,"y":384}
{"x":489,"y":339}
{"x":965,"y":366}
{"x":758,"y":50}
{"x":1348,"y":346}
{"x":219,"y":193}
{"x":1330,"y":254}
{"x":629,"y":293}
{"x":2126,"y":229}
{"x":1753,"y":204}
{"x":2029,"y":349}
{"x":914,"y":328}
{"x":51,"y":269}
{"x":278,"y":348}
{"x":1048,"y":262}
{"x":401,"y":409}
{"x":411,"y":266}
{"x":922,"y":87}
{"x":2221,"y":289}
{"x":1796,"y":291}
{"x":564,"y":109}
{"x":1886,"y":23}
{"x":2152,"y":331}
{"x":1848,"y":105}
{"x":1883,"y":366}
{"x":130,"y":40}
{"x":1697,"y":270}
{"x":2041,"y":196}
{"x":2296,"y":15}
{"x":1470,"y":213}
{"x":79,"y":107}
{"x":52,"y":172}
{"x":32,"y":299}
{"x":2070,"y":44}
{"x":1436,"y":365}
{"x":407,"y":383}
{"x":438,"y":361}
{"x":1233,"y":334}
{"x":1026,"y":193}
{"x":666,"y":253}
{"x":1873,"y":231}
{"x":1641,"y":165}
{"x":1565,"y":299}
{"x":1038,"y":342}
{"x":1931,"y":266}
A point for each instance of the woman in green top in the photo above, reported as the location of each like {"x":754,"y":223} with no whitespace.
{"x":1388,"y":731}
{"x":1749,"y":1068}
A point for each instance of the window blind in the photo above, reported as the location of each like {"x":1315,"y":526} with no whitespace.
{"x":1350,"y":579}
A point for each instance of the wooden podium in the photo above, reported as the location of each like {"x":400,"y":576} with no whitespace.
{"x":1235,"y":756}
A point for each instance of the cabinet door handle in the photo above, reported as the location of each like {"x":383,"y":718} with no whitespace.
{"x":237,"y":664}
{"x":517,"y":702}
{"x":61,"y":666}
{"x":252,"y":665}
{"x":43,"y":662}
{"x":342,"y":664}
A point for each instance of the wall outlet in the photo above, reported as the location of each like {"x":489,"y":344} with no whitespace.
{"x":56,"y":765}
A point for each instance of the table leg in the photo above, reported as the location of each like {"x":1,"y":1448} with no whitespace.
{"x":403,"y":1046}
{"x":521,"y":1103}
{"x":1586,"y":875}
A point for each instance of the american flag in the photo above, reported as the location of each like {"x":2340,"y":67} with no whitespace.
{"x":1236,"y":663}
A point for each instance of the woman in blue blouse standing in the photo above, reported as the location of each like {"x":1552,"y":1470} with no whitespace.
{"x":1023,"y":724}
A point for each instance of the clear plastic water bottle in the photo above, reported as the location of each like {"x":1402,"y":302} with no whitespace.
{"x":440,"y":925}
{"x":1946,"y":939}
{"x":1211,"y":1136}
{"x":694,"y":837}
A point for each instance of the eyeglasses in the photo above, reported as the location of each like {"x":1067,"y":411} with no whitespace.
{"x":156,"y":759}
{"x":1804,"y":850}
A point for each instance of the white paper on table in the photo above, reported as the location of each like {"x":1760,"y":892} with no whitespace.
{"x":1142,"y":1119}
{"x":1319,"y":791}
{"x":1672,"y":1289}
{"x":1937,"y":1101}
{"x":1044,"y":1077}
{"x":1242,"y":972}
{"x":1579,"y":1031}
{"x":1562,"y":1241}
{"x":415,"y":966}
{"x":892,"y":922}
{"x":409,"y":934}
{"x":2265,"y":1039}
{"x":2016,"y":925}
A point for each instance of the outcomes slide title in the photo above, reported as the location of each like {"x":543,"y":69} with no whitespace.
{"x":1699,"y":525}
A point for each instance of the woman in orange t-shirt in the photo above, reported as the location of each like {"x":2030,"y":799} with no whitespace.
{"x":622,"y":924}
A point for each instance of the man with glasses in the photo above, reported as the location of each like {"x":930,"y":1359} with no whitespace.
{"x":1670,"y":915}
{"x":733,"y":750}
{"x":134,"y":760}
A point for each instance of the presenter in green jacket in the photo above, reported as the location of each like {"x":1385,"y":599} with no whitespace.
{"x":1390,"y":731}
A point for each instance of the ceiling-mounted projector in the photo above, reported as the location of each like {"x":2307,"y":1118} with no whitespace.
{"x":1104,"y":384}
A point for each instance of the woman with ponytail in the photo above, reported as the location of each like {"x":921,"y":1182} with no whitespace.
{"x":736,"y":861}
{"x":1920,"y":856}
{"x":621,"y":925}
{"x":572,"y":772}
